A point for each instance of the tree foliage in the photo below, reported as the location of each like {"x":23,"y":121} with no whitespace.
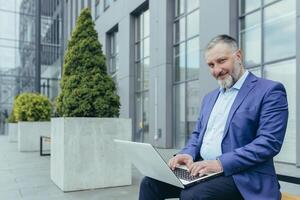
{"x":32,"y":107}
{"x":86,"y":88}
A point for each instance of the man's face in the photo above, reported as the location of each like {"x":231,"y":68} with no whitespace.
{"x":224,"y":64}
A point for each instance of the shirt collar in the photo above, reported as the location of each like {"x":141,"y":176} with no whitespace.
{"x":239,"y":83}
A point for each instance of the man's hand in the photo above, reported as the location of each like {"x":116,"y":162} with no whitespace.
{"x":180,"y":159}
{"x":205,"y":167}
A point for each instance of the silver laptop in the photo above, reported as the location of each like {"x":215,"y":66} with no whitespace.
{"x":149,"y":162}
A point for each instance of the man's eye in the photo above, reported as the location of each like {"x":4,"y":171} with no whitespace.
{"x":211,"y":65}
{"x":222,"y":61}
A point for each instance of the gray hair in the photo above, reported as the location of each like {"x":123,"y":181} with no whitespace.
{"x":226,"y":39}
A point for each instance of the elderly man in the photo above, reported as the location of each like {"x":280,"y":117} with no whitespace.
{"x":241,"y":127}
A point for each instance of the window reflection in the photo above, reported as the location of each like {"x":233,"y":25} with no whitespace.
{"x":142,"y":59}
{"x":251,"y":39}
{"x":280,"y":30}
{"x":193,"y":102}
{"x":193,"y":58}
{"x":179,"y":30}
{"x":256,"y":71}
{"x":180,"y":130}
{"x":179,"y":7}
{"x":277,"y":44}
{"x":192,"y":4}
{"x":249,"y":5}
{"x":285,"y":72}
{"x":146,"y":73}
{"x":193,"y":24}
{"x":180,"y":62}
{"x":186,"y":66}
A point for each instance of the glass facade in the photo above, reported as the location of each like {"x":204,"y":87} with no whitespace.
{"x":186,"y":59}
{"x":97,"y":9}
{"x":113,"y":53}
{"x":50,"y":52}
{"x":142,"y":58}
{"x":106,"y":4}
{"x":268,"y":38}
{"x":26,"y":64}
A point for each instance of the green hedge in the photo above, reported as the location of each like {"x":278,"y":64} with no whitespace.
{"x":12,"y":117}
{"x":86,"y":88}
{"x":32,"y":107}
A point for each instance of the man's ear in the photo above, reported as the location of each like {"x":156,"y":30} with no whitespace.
{"x":239,"y":54}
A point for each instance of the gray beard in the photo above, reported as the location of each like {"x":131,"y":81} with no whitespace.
{"x":232,"y":78}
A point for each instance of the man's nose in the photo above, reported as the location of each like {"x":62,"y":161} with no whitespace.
{"x":216,"y":71}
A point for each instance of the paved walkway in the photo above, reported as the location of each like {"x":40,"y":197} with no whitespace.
{"x":26,"y":176}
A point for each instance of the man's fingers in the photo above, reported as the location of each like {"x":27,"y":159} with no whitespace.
{"x":179,"y":160}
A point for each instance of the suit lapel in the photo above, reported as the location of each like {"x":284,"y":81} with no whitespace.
{"x":244,"y":91}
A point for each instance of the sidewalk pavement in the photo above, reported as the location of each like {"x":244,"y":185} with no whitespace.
{"x":26,"y":176}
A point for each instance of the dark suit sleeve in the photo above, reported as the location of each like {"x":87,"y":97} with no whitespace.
{"x":192,"y":147}
{"x":270,"y":134}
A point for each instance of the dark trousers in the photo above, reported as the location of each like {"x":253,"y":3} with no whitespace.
{"x":222,"y":188}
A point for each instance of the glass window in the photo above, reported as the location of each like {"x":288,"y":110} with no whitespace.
{"x":146,"y":25}
{"x":193,"y":24}
{"x":251,"y":39}
{"x":142,"y":60}
{"x":268,"y":1}
{"x":146,"y":73}
{"x":180,"y":30}
{"x":179,"y":7}
{"x":192,"y":4}
{"x":142,"y":117}
{"x":146,"y":116}
{"x":278,"y":43}
{"x":193,"y":58}
{"x":146,"y":47}
{"x":179,"y":107}
{"x":138,"y":51}
{"x":97,"y":9}
{"x":193,"y":103}
{"x":285,"y":72}
{"x":137,"y":28}
{"x":179,"y":62}
{"x":106,"y":4}
{"x":186,"y":64}
{"x":256,"y":71}
{"x":280,"y":30}
{"x":249,"y":5}
{"x":138,"y":76}
{"x":138,"y":136}
{"x":113,"y":53}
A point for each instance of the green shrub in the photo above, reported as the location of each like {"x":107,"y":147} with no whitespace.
{"x":12,"y":117}
{"x":32,"y":107}
{"x":86,"y":88}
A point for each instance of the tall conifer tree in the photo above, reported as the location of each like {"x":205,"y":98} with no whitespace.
{"x":86,"y":88}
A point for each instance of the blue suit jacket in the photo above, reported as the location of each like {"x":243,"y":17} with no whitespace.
{"x":253,"y":135}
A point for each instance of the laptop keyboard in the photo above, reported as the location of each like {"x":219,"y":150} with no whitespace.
{"x":185,"y":175}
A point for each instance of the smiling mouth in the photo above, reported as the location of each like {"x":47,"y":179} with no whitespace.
{"x":222,"y":77}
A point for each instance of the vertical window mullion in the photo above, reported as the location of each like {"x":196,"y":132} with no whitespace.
{"x":262,"y":59}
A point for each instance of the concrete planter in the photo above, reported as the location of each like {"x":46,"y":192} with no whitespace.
{"x":12,"y":132}
{"x":84,"y":156}
{"x":29,"y":135}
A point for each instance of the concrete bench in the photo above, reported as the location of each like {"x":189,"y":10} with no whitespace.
{"x":289,"y":179}
{"x":286,"y":196}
